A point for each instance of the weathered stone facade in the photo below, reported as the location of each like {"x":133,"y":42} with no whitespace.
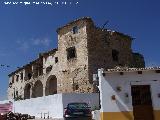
{"x":82,"y":49}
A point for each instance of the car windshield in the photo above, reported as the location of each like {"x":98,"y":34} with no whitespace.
{"x":78,"y":105}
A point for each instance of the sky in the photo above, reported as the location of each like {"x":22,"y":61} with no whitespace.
{"x":28,"y":29}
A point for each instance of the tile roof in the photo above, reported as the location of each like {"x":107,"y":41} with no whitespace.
{"x":119,"y":69}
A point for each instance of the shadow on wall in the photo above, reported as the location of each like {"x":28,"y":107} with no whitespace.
{"x":127,"y":115}
{"x":121,"y":97}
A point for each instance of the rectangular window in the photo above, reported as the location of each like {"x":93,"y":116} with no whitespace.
{"x":21,"y":76}
{"x":71,"y":53}
{"x":17,"y":78}
{"x":29,"y":76}
{"x":17,"y":93}
{"x":56,"y":59}
{"x":115,"y":55}
{"x":75,"y":29}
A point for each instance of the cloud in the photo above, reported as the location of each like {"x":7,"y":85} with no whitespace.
{"x":26,"y":44}
{"x":23,"y":45}
{"x":41,"y":42}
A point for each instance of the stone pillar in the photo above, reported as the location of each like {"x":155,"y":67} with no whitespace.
{"x":44,"y":90}
{"x":31,"y":92}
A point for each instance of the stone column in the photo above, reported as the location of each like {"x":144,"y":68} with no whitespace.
{"x":31,"y":92}
{"x":44,"y":90}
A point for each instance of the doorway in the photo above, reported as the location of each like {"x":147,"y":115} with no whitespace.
{"x":142,"y":102}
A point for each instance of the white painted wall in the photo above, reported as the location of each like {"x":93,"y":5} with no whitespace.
{"x":54,"y":104}
{"x":91,"y":98}
{"x":36,"y":106}
{"x":109,"y":82}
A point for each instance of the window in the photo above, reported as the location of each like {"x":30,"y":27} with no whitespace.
{"x":21,"y":76}
{"x":56,"y":59}
{"x":12,"y":79}
{"x":71,"y":53}
{"x":17,"y":93}
{"x":29,"y":76}
{"x":75,"y":29}
{"x":48,"y":69}
{"x":115,"y":54}
{"x":40,"y":70}
{"x":17,"y":78}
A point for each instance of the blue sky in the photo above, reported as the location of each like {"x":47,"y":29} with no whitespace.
{"x":28,"y":30}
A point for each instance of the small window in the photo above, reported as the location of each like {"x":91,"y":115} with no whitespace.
{"x":17,"y":78}
{"x":115,"y":55}
{"x":71,"y":53}
{"x":75,"y":29}
{"x":16,"y":93}
{"x":29,"y":76}
{"x":12,"y":79}
{"x":48,"y":69}
{"x":21,"y":76}
{"x":75,"y":86}
{"x":56,"y":59}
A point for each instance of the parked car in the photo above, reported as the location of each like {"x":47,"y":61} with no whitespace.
{"x":75,"y":111}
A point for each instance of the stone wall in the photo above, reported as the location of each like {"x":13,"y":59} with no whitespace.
{"x":75,"y":70}
{"x":101,"y":43}
{"x":138,"y":60}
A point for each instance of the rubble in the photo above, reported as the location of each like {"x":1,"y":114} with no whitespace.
{"x":15,"y":116}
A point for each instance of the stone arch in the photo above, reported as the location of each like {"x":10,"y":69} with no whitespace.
{"x":51,"y":85}
{"x":37,"y":90}
{"x":27,"y":91}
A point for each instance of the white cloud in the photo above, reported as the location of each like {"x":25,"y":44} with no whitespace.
{"x":46,"y":42}
{"x":25,"y":45}
{"x":41,"y":42}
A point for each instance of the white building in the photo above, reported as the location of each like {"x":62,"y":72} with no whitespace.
{"x":130,"y":93}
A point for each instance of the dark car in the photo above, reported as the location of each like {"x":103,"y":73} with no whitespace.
{"x":75,"y":111}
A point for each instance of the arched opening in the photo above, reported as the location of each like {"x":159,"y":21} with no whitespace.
{"x":37,"y":90}
{"x":27,"y":91}
{"x":51,"y":85}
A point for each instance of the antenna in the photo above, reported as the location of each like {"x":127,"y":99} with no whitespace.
{"x":105,"y":24}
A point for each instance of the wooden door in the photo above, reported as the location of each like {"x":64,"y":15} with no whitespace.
{"x":142,"y":102}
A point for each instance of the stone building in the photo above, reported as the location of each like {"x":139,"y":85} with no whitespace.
{"x":82,"y":49}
